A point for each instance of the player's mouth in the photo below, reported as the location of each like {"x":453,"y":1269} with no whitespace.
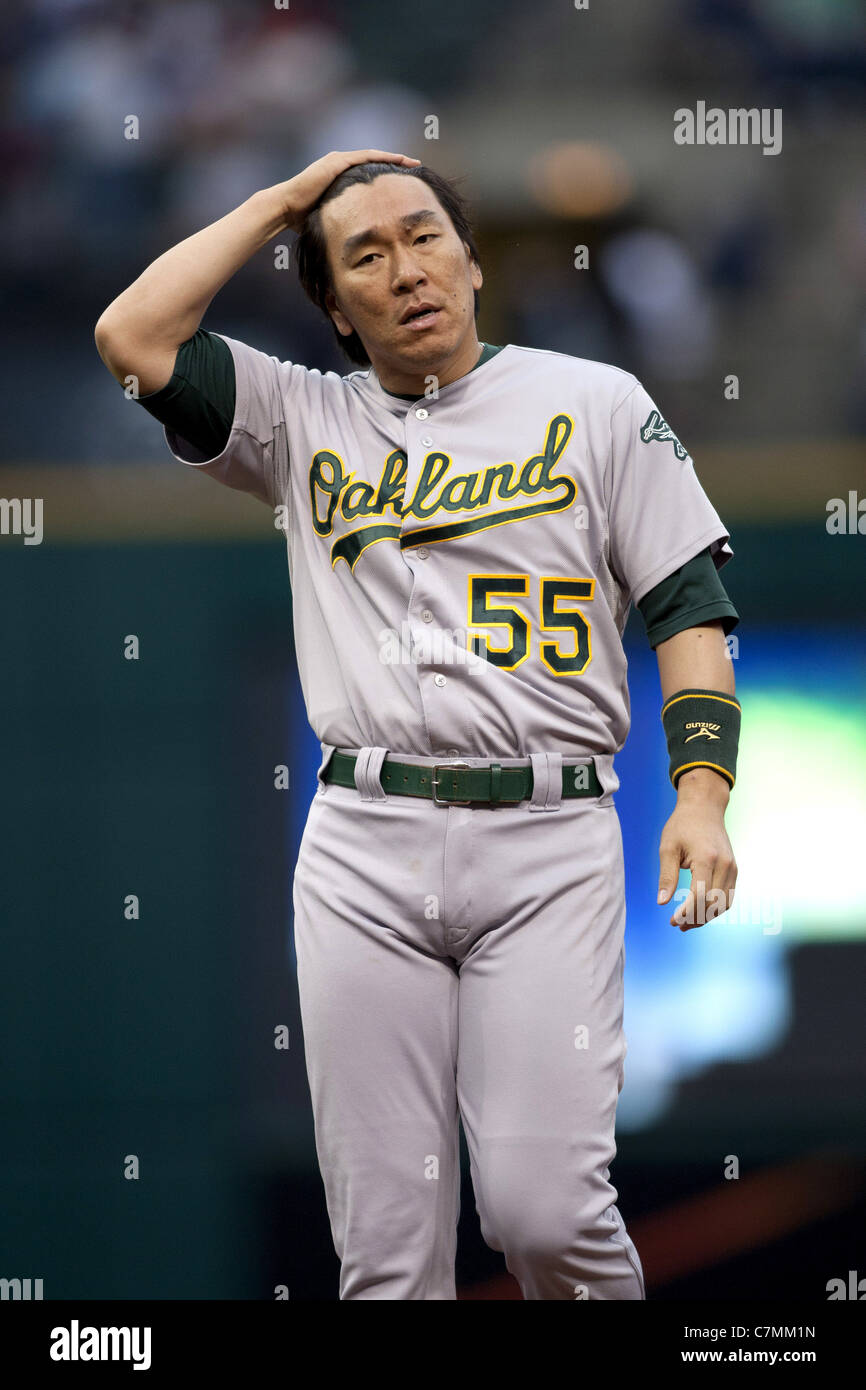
{"x":422,"y":316}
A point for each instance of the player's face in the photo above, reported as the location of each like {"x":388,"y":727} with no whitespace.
{"x":391,"y":245}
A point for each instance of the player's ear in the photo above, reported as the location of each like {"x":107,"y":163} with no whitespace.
{"x":343,"y":324}
{"x":474,"y":270}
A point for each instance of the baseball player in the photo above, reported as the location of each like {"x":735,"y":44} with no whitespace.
{"x":467,"y":527}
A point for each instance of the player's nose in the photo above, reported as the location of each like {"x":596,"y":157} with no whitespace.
{"x":407,"y":269}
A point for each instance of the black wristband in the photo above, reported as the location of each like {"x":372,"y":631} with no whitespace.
{"x":703,"y":730}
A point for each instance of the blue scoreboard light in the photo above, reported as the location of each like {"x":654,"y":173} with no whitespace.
{"x":797,"y":823}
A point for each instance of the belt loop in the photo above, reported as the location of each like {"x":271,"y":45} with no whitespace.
{"x":546,"y":781}
{"x":327,"y":750}
{"x":607,"y":776}
{"x":368,"y":766}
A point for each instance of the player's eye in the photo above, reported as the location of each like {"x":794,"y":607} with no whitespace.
{"x":425,"y":236}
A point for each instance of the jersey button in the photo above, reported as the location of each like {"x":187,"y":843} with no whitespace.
{"x":421,"y":413}
{"x":426,"y":440}
{"x":453,"y":752}
{"x":439,"y":679}
{"x":427,"y":615}
{"x":422,"y":552}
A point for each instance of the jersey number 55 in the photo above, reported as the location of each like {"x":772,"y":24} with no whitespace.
{"x":556,"y":614}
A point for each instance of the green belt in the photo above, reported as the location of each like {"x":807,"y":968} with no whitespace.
{"x":457,"y":784}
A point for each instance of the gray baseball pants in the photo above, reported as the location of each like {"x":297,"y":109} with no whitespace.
{"x":466,"y":961}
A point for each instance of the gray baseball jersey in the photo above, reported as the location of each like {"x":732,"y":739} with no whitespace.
{"x":462,"y":566}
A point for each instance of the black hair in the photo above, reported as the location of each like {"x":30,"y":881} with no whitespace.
{"x":310,"y":250}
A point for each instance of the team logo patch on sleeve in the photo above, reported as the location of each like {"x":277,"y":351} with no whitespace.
{"x":656,"y":427}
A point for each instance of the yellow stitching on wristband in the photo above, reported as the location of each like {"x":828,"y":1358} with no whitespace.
{"x":715,"y":766}
{"x":721,"y":698}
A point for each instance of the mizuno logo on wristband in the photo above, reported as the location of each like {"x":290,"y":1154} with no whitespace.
{"x":702,"y":729}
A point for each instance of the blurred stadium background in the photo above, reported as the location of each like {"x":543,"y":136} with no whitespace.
{"x":155,"y":777}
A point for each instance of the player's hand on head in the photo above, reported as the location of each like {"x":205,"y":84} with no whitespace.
{"x":695,"y":838}
{"x":301,"y":193}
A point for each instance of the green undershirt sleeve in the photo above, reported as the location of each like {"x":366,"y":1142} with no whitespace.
{"x":198,"y":403}
{"x":692,"y":595}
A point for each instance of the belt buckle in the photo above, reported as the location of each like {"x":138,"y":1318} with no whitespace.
{"x":435,"y":782}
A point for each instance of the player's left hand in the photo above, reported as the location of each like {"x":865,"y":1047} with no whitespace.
{"x":695,"y":838}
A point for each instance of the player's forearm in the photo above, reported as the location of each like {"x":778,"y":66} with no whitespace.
{"x":143,"y":327}
{"x":696,"y":659}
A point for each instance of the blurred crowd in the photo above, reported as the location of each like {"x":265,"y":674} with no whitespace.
{"x":232,"y":95}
